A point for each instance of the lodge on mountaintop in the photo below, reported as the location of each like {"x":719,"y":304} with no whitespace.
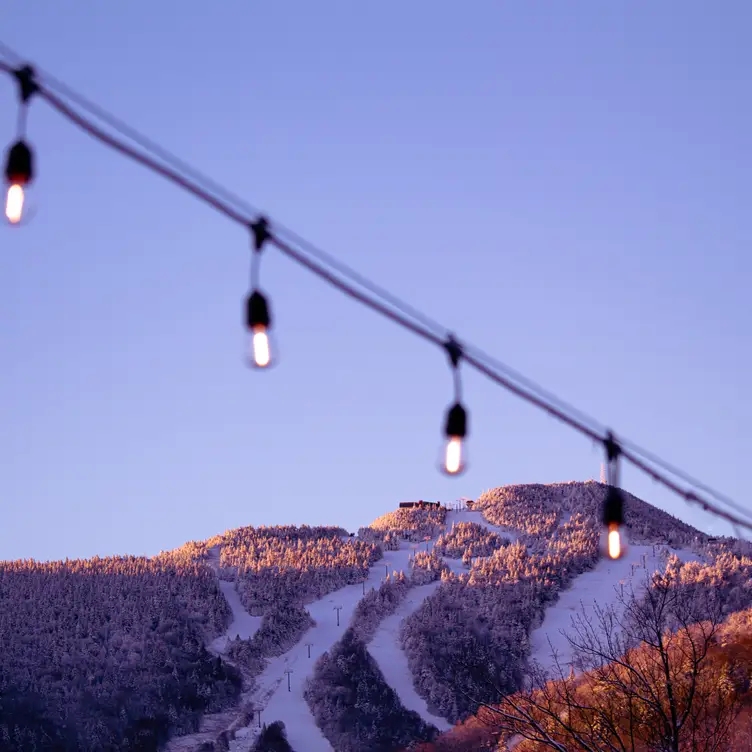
{"x":419,"y":504}
{"x":464,"y":502}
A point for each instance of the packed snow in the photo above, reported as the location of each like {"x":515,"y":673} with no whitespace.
{"x":387,"y":651}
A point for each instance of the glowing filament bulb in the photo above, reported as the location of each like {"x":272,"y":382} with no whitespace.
{"x":613,"y":534}
{"x":614,"y":542}
{"x":19,"y":171}
{"x":453,"y":458}
{"x":260,"y":347}
{"x":14,"y":203}
{"x":258,"y":322}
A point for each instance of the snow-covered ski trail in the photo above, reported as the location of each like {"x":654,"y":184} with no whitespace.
{"x":386,"y":650}
{"x":602,"y":587}
{"x":243,"y":625}
{"x":272,"y":696}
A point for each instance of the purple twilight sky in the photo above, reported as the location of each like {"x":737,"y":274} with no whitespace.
{"x":566,"y":185}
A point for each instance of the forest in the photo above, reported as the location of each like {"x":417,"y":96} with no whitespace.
{"x":353,"y":705}
{"x":100,"y":652}
{"x":95,"y":652}
{"x":109,"y":651}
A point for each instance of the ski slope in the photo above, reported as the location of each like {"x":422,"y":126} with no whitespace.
{"x":272,"y":696}
{"x":279,"y":691}
{"x":243,"y":625}
{"x":601,"y":587}
{"x":386,"y":649}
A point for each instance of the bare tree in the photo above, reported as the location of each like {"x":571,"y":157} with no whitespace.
{"x":651,"y":677}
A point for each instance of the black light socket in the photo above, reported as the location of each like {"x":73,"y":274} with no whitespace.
{"x":257,"y":311}
{"x":19,"y":169}
{"x":456,"y":421}
{"x":613,"y":507}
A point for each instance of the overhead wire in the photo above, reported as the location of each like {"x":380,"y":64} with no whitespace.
{"x":389,"y":306}
{"x":634,"y":448}
{"x":532,"y":386}
{"x":231,"y":213}
{"x":690,"y":480}
{"x":201,"y":178}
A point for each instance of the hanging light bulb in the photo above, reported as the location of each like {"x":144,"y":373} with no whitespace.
{"x":613,"y":535}
{"x":261,"y":350}
{"x":453,"y":458}
{"x":258,"y":322}
{"x":19,"y":167}
{"x":19,"y":172}
{"x":454,"y":454}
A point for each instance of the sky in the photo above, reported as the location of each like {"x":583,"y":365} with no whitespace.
{"x":565,"y":185}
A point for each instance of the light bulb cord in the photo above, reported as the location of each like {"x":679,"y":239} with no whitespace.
{"x":455,"y":353}
{"x":27,"y":87}
{"x":23,"y":111}
{"x":613,"y":452}
{"x":260,"y":234}
{"x":255,"y":264}
{"x":357,"y":287}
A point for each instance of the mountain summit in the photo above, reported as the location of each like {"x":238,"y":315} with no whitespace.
{"x":310,"y":638}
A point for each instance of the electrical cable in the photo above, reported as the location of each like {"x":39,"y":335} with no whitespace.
{"x":404,"y":315}
{"x":230,"y":212}
{"x":684,"y":476}
{"x":199,"y":178}
{"x":626,"y":444}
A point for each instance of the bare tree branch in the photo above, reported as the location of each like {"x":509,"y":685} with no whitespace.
{"x":648,"y":679}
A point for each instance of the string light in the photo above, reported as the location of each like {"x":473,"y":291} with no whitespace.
{"x":358,"y":288}
{"x":258,"y":317}
{"x":18,"y":173}
{"x":19,"y":166}
{"x":455,"y":425}
{"x":613,"y":538}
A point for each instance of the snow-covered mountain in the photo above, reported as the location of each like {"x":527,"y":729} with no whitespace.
{"x":353,"y":642}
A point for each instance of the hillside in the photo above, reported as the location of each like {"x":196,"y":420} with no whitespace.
{"x":365,"y":642}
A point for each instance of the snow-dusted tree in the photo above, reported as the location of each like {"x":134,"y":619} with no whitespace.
{"x":273,"y":738}
{"x":353,"y":705}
